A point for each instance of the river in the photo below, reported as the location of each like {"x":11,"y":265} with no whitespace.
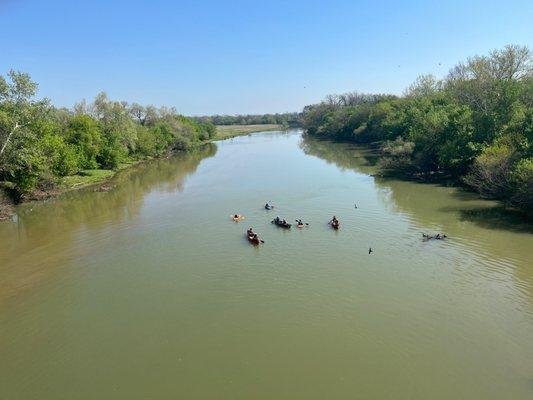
{"x":151,"y":291}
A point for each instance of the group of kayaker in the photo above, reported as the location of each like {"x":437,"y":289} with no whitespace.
{"x":334,"y":222}
{"x":283,"y":223}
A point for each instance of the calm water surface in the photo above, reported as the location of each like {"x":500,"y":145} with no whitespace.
{"x":150,"y":291}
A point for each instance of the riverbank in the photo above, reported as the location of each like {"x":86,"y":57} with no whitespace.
{"x":471,"y":127}
{"x":7,"y":208}
{"x":378,"y":160}
{"x":96,"y":177}
{"x":229,"y":131}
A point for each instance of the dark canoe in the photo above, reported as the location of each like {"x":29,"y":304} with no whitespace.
{"x":253,"y":240}
{"x":281,"y":224}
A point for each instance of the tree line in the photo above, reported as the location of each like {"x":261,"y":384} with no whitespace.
{"x":40,"y":144}
{"x":285,"y":119}
{"x":475,"y":125}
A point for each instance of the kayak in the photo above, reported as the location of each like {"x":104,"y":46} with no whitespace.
{"x":267,"y":207}
{"x":253,"y":240}
{"x":280,"y":223}
{"x":300,"y":224}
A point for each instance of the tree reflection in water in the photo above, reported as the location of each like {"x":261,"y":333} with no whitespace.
{"x":43,"y":228}
{"x":468,"y":220}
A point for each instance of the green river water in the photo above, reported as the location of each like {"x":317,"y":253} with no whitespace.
{"x":150,"y":291}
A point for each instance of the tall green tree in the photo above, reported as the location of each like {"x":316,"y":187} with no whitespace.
{"x":15,"y":105}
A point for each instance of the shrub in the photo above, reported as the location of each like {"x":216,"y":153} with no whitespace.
{"x":84,"y":133}
{"x":490,"y":174}
{"x":522,"y":177}
{"x":62,"y":159}
{"x":397,"y":155}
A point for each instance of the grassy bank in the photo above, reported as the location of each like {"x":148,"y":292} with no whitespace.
{"x":229,"y":131}
{"x":84,"y":178}
{"x":90,"y":177}
{"x":99,"y":176}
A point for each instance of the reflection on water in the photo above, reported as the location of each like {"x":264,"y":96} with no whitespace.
{"x":431,"y":206}
{"x":482,"y":225}
{"x":343,"y":155}
{"x":32,"y":245}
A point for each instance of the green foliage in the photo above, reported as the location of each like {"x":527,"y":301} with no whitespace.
{"x":490,"y":174}
{"x":286,"y":119}
{"x":398,"y":155}
{"x":522,"y":177}
{"x":83,"y":132}
{"x":40,"y":144}
{"x":61,"y":158}
{"x":22,"y":165}
{"x":474,"y":125}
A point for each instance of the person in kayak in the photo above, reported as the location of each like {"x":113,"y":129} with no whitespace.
{"x":438,"y":236}
{"x":300,"y":223}
{"x":250,"y":232}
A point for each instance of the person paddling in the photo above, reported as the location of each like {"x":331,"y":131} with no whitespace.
{"x":300,"y":223}
{"x":438,"y":236}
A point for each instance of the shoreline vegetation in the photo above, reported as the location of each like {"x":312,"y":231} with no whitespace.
{"x":45,"y":151}
{"x":100,"y":177}
{"x":472,"y":128}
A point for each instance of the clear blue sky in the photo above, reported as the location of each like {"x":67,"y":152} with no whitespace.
{"x":207,"y":57}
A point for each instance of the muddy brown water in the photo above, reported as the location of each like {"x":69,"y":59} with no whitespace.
{"x":151,"y":291}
